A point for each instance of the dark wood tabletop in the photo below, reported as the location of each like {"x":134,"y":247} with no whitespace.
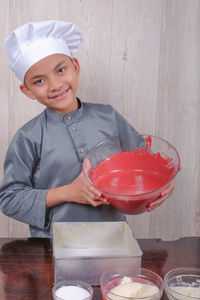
{"x":26,"y":265}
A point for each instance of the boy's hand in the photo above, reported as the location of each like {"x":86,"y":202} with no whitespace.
{"x":82,"y":192}
{"x":163,"y":196}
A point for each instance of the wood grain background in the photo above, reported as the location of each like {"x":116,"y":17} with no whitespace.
{"x":141,"y":56}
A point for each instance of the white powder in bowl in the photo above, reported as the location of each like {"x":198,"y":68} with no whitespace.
{"x":72,"y":293}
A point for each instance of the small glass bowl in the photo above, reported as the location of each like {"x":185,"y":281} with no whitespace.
{"x":74,"y":283}
{"x":112,"y":278}
{"x":185,"y":278}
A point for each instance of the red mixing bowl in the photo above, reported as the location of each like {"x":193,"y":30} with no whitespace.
{"x":133,"y":171}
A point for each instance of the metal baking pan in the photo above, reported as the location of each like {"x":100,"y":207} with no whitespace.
{"x":84,"y":250}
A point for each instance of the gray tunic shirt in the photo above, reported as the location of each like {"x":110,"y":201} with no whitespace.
{"x":48,"y":152}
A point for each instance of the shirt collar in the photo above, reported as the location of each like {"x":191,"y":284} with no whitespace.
{"x":63,"y":116}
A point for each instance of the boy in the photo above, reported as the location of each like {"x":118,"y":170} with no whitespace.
{"x":43,"y":180}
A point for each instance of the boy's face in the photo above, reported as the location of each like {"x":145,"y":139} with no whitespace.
{"x":53,"y":81}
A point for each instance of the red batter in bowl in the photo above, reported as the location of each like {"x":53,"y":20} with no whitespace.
{"x":132,"y":179}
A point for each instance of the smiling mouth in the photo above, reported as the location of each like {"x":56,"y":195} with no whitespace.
{"x":61,"y":95}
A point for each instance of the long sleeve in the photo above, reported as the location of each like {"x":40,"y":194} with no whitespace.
{"x":19,"y":199}
{"x":128,"y":135}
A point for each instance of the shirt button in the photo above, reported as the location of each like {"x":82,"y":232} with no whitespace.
{"x":69,"y":118}
{"x":81,"y":150}
{"x":74,"y":129}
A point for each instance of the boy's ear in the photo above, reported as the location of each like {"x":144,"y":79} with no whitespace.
{"x":26,"y":91}
{"x":76,"y":65}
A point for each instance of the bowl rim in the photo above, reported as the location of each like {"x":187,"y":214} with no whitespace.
{"x":160,"y":292}
{"x":184,"y":271}
{"x":79,"y":283}
{"x":120,"y":196}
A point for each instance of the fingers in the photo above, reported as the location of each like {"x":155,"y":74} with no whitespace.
{"x":94,"y":191}
{"x":97,"y":202}
{"x":163,"y":196}
{"x":96,"y":197}
{"x":169,"y":189}
{"x":88,"y":194}
{"x":154,"y":204}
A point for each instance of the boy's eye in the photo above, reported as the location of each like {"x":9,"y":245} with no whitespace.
{"x":61,"y":70}
{"x":39,"y":82}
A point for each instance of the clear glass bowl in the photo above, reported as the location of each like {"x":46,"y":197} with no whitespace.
{"x":131,"y":195}
{"x":112,"y":278}
{"x":72,"y":294}
{"x":186,"y":279}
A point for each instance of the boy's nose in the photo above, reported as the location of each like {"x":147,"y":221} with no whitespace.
{"x":55,"y":85}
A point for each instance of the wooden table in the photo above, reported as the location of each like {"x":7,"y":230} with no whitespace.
{"x":26,"y":265}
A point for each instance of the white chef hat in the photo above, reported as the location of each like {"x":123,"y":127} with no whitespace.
{"x":32,"y":42}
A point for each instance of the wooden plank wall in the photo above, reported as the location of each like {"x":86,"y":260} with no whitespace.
{"x":141,"y":56}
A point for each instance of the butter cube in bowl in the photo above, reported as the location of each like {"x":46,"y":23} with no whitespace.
{"x":126,"y":284}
